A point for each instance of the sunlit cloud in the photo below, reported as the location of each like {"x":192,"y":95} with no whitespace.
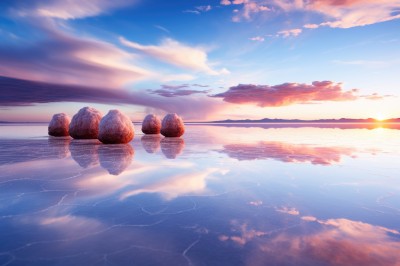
{"x":287,"y":93}
{"x":63,"y":58}
{"x":175,"y":53}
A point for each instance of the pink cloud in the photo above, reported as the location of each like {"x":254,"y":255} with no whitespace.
{"x":286,"y":152}
{"x":249,"y":8}
{"x":62,"y":58}
{"x":287,"y":93}
{"x":353,"y":13}
{"x":289,"y":33}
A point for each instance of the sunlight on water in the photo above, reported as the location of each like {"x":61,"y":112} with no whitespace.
{"x":220,"y":195}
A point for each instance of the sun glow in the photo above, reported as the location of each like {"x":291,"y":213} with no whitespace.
{"x":380,"y":117}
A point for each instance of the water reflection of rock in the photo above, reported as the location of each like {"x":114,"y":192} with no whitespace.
{"x":60,"y":146}
{"x":172,"y":147}
{"x":287,"y":152}
{"x":85,"y":152}
{"x":151,"y":143}
{"x":115,"y":158}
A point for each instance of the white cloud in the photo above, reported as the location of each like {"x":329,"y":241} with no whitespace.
{"x":177,"y":54}
{"x":70,"y":9}
{"x":257,"y":39}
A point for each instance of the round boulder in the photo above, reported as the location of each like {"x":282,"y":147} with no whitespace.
{"x":85,"y":124}
{"x":115,"y":128}
{"x":58,"y":126}
{"x":172,"y":126}
{"x":151,"y":124}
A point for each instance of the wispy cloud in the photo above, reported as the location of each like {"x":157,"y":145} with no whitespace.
{"x":287,"y":93}
{"x":175,"y":53}
{"x":257,"y":39}
{"x":289,"y":33}
{"x":62,"y":58}
{"x":177,"y":90}
{"x":68,"y":9}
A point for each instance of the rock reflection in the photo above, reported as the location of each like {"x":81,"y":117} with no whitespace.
{"x":151,"y":143}
{"x":85,"y":152}
{"x":286,"y":152}
{"x":60,"y":146}
{"x":172,"y":147}
{"x":115,"y":158}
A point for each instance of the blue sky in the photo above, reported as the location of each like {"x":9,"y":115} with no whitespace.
{"x":205,"y":60}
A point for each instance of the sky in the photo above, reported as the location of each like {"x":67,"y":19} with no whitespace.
{"x":204,"y":60}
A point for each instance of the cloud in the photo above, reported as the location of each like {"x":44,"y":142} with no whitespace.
{"x":289,"y":33}
{"x":287,"y":93}
{"x":257,"y":39}
{"x":249,"y":8}
{"x":177,"y":54}
{"x":192,"y":11}
{"x":204,"y":8}
{"x":177,"y":90}
{"x":286,"y":152}
{"x":225,"y":2}
{"x":337,"y":13}
{"x":62,"y":58}
{"x":18,"y":92}
{"x":353,"y":13}
{"x":69,"y":9}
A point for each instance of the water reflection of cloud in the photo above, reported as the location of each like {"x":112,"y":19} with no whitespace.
{"x":172,"y":147}
{"x":321,"y":242}
{"x":85,"y":152}
{"x":115,"y":158}
{"x":286,"y":152}
{"x":175,"y":186}
{"x":151,"y":143}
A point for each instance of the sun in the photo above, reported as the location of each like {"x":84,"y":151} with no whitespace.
{"x":380,"y":117}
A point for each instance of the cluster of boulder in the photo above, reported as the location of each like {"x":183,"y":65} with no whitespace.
{"x":115,"y":127}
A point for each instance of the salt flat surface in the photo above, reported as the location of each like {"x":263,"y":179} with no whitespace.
{"x":219,"y":195}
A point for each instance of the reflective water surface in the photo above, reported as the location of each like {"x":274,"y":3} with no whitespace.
{"x":219,"y":195}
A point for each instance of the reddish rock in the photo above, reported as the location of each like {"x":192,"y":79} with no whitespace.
{"x":115,"y":128}
{"x":59,"y":125}
{"x":172,"y":126}
{"x":151,"y":124}
{"x":85,"y":124}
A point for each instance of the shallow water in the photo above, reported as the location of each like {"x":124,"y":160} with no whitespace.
{"x":220,"y":195}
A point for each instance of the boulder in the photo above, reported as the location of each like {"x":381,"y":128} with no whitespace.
{"x":151,"y":124}
{"x":85,"y":124}
{"x":172,"y":126}
{"x":59,"y":125}
{"x":115,"y":128}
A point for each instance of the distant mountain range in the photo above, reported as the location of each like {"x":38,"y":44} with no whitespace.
{"x":341,"y":120}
